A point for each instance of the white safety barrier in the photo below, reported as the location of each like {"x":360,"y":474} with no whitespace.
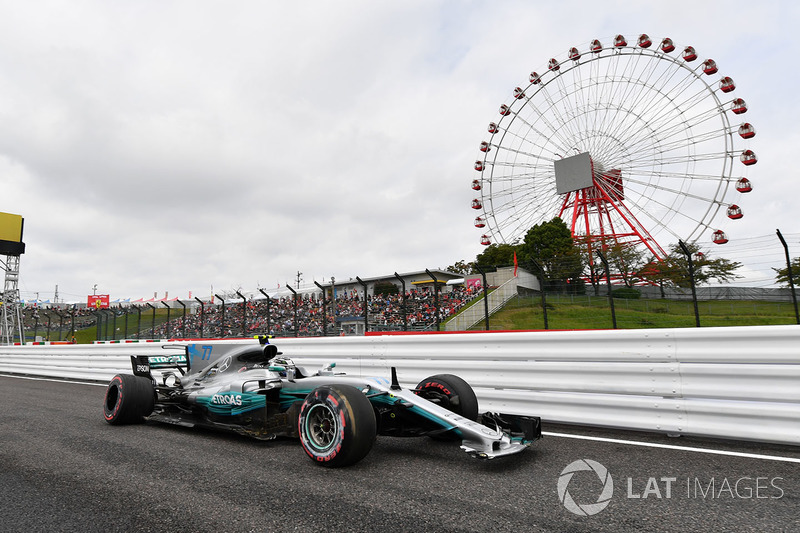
{"x":737,"y":382}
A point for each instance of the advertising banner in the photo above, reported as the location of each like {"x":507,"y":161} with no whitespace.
{"x":97,"y":301}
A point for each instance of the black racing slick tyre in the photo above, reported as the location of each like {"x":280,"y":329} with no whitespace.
{"x":452,"y":393}
{"x":128,"y":399}
{"x":336,"y":425}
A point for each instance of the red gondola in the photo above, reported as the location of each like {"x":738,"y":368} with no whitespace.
{"x":476,"y":185}
{"x":744,"y":185}
{"x":479,"y":223}
{"x":493,"y":128}
{"x":476,"y":204}
{"x":519,"y":93}
{"x":748,"y":157}
{"x":747,"y":131}
{"x":574,"y":54}
{"x":644,"y":41}
{"x":726,"y":84}
{"x":739,"y":106}
{"x":734,"y":212}
{"x":553,"y":64}
{"x":504,"y":110}
{"x":535,"y":78}
{"x":485,"y":147}
{"x":667,"y":45}
{"x":479,"y":166}
{"x":710,"y":66}
{"x":619,"y":41}
{"x":719,"y":237}
{"x":699,"y":256}
{"x":485,"y":240}
{"x":596,"y":46}
{"x":689,"y":54}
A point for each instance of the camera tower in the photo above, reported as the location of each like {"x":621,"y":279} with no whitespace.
{"x":12,"y":247}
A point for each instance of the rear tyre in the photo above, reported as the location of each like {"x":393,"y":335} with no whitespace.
{"x":336,"y":425}
{"x":128,"y":399}
{"x":452,"y":393}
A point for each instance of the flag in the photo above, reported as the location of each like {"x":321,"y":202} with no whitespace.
{"x":515,"y":264}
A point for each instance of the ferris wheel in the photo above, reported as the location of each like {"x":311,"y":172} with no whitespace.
{"x":638,"y":144}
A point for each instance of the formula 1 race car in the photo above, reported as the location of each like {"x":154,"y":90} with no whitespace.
{"x":255,"y":391}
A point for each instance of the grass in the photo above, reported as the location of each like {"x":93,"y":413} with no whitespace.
{"x":111,"y":330}
{"x":590,"y":312}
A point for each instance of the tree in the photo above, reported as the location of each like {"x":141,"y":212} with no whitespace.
{"x":496,"y":255}
{"x":462,"y":267}
{"x":551,"y":253}
{"x":674,"y":271}
{"x":782,"y":274}
{"x":626,"y":262}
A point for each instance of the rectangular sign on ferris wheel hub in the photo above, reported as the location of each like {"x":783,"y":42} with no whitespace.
{"x":573,"y":173}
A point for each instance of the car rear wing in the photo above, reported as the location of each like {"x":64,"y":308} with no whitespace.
{"x":144,"y":364}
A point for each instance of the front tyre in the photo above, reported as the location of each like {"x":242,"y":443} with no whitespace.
{"x":128,"y":399}
{"x":336,"y":425}
{"x":452,"y":393}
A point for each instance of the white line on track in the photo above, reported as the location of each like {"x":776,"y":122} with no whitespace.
{"x":674,"y":447}
{"x":33,"y":378}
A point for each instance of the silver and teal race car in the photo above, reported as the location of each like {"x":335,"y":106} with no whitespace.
{"x":253,"y":390}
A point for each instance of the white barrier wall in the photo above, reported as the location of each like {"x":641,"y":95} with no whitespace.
{"x":738,"y":382}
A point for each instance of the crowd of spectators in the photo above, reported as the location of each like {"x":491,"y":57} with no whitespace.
{"x":385,"y":312}
{"x":276,"y":316}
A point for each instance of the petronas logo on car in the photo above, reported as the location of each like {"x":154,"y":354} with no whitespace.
{"x":227,"y":399}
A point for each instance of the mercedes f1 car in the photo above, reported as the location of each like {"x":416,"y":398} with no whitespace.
{"x":254,"y":391}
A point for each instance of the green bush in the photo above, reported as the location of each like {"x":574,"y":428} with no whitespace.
{"x":627,"y":293}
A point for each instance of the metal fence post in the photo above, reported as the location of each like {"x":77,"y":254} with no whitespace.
{"x":366,"y":305}
{"x":324,"y":314}
{"x":608,"y":282}
{"x":789,"y":272}
{"x":485,"y":298}
{"x":244,"y":313}
{"x":222,"y":322}
{"x":294,"y":304}
{"x":538,"y":267}
{"x":183,"y":319}
{"x":691,"y":282}
{"x":268,"y":317}
{"x":98,"y":325}
{"x":60,"y":323}
{"x":405,"y":313}
{"x":165,"y":304}
{"x":435,"y":296}
{"x":202,"y":314}
{"x":153,"y":321}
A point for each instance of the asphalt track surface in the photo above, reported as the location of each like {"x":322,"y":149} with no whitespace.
{"x":62,"y":468}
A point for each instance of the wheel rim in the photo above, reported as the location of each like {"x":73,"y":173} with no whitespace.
{"x":442,"y":400}
{"x":112,"y":395}
{"x":321,"y":426}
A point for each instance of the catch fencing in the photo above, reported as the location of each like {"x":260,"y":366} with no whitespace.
{"x":736,"y":382}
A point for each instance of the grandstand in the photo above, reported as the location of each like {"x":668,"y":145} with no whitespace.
{"x":395,"y":302}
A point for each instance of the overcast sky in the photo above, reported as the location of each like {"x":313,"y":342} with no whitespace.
{"x":157,"y":146}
